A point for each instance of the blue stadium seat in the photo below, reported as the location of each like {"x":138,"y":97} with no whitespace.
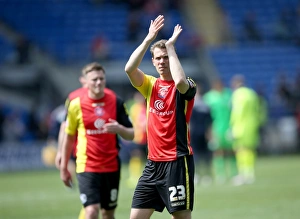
{"x":6,"y":51}
{"x":65,"y":28}
{"x":267,"y":12}
{"x":260,"y":64}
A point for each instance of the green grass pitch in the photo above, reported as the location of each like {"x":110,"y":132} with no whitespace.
{"x":274,"y":195}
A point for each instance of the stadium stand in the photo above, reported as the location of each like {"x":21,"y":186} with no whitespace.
{"x":259,"y":64}
{"x":66,"y":29}
{"x":266,"y":13}
{"x":7,"y":50}
{"x":260,"y":61}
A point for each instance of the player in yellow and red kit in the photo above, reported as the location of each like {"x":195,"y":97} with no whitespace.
{"x":97,"y":119}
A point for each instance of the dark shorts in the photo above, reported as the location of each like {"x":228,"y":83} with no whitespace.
{"x":166,"y":184}
{"x":100,"y":188}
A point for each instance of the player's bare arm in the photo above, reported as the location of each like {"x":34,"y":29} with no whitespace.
{"x":135,"y":75}
{"x":176,"y":69}
{"x":61,"y":137}
{"x":66,"y":151}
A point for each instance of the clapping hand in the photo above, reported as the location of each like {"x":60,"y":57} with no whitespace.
{"x":176,"y":32}
{"x":155,"y":27}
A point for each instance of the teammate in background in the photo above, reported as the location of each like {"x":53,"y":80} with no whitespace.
{"x":137,"y":147}
{"x":219,"y":101}
{"x":200,"y":126}
{"x":98,"y":118}
{"x":62,"y":135}
{"x":168,"y":177}
{"x":245,"y":124}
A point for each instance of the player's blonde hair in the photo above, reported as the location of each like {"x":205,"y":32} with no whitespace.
{"x":94,"y":66}
{"x":159,"y":44}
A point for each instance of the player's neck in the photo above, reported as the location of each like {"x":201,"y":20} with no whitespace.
{"x":166,"y":77}
{"x":95,"y":96}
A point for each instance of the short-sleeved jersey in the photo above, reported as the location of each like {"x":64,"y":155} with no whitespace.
{"x":137,"y":114}
{"x":96,"y":151}
{"x":220,"y":106}
{"x":245,"y":118}
{"x":76,"y":93}
{"x":168,"y":116}
{"x":59,"y":114}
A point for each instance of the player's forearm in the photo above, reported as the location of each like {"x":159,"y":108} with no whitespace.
{"x":126,"y":133}
{"x":61,"y":136}
{"x":176,"y":69}
{"x":137,"y":57}
{"x":64,"y":159}
{"x":66,"y":151}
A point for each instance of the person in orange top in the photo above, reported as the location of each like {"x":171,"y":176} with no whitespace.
{"x":97,"y":118}
{"x":138,"y":147}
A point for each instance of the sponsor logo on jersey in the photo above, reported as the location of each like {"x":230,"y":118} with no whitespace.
{"x":159,"y":105}
{"x":99,"y":123}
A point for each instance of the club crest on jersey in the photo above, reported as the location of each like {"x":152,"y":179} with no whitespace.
{"x":99,"y":111}
{"x":191,"y":82}
{"x":162,"y":92}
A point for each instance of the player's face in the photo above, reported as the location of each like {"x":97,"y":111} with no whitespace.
{"x":161,"y":61}
{"x":96,"y":82}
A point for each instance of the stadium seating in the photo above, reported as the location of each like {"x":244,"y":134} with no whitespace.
{"x":65,"y":29}
{"x":260,"y":62}
{"x":267,"y":14}
{"x":260,"y":65}
{"x":7,"y":50}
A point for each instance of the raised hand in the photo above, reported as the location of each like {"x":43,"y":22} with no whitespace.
{"x":155,"y":27}
{"x":176,"y":32}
